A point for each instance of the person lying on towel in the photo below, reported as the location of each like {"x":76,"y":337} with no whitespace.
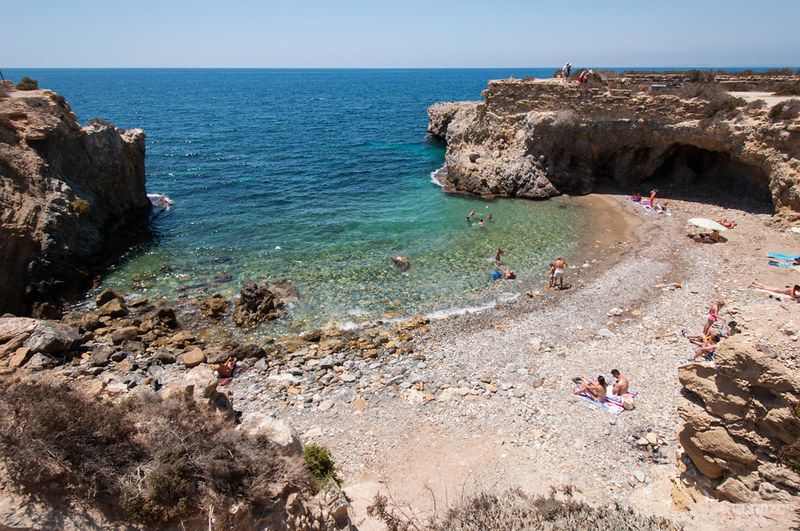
{"x":595,"y":389}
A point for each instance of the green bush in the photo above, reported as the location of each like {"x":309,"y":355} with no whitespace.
{"x":319,"y":464}
{"x":27,"y":83}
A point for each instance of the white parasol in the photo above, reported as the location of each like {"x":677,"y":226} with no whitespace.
{"x":708,"y":224}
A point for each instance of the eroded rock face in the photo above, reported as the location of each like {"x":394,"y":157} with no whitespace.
{"x":539,"y":139}
{"x":738,"y":416}
{"x":66,"y":194}
{"x":257,"y":303}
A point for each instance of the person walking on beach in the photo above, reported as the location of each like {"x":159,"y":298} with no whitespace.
{"x":558,"y":273}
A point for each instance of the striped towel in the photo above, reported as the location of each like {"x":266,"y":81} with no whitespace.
{"x":612,"y":403}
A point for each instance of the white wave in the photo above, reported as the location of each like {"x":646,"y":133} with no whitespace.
{"x":435,"y":176}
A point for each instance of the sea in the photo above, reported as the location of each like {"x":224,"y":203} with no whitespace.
{"x":319,"y":177}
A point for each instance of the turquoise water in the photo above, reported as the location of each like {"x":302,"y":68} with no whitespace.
{"x":318,"y":176}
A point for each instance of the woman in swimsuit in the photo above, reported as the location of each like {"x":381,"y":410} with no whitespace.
{"x":790,"y":291}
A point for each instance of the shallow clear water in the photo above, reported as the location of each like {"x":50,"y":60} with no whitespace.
{"x":318,"y":176}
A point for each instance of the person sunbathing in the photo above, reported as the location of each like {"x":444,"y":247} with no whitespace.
{"x":225,"y":370}
{"x":705,"y":237}
{"x":707,"y":349}
{"x":595,"y":389}
{"x":622,"y":384}
{"x":793,"y":292}
{"x":727,"y":223}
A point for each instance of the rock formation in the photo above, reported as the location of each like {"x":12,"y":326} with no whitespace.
{"x":742,"y":420}
{"x":541,"y":138}
{"x":66,"y":194}
{"x":259,"y":303}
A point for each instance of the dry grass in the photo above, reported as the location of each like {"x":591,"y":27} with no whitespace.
{"x":514,"y":509}
{"x":785,"y":110}
{"x":148,"y":460}
{"x":81,"y":206}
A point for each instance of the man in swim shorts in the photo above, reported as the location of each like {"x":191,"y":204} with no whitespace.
{"x":621,"y":385}
{"x":558,"y":273}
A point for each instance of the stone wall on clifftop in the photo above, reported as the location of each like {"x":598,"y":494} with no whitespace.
{"x":741,"y":414}
{"x":66,"y":194}
{"x":541,"y":138}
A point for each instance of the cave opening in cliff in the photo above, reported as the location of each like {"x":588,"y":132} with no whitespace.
{"x":697,"y":174}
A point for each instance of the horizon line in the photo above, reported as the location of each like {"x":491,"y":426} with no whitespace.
{"x":677,"y":67}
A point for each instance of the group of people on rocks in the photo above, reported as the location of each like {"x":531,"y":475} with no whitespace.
{"x":583,"y":77}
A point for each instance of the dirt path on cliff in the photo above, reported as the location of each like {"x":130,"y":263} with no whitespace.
{"x":511,"y":419}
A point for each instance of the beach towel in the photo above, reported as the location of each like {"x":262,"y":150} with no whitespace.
{"x":781,"y":256}
{"x":783,"y":265}
{"x":612,"y":403}
{"x":237,"y":371}
{"x":645,"y":204}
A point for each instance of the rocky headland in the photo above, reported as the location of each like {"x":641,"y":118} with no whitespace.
{"x":70,"y":196}
{"x":536,"y":138}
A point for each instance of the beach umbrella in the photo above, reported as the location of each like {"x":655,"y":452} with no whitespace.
{"x":708,"y":224}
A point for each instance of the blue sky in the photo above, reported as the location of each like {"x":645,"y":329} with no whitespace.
{"x":408,"y":33}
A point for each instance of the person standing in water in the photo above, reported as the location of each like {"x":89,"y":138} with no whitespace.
{"x":558,"y":274}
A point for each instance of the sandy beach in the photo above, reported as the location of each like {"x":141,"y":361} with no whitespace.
{"x":510,"y":415}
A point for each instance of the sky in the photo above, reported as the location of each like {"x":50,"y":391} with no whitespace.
{"x":401,"y":34}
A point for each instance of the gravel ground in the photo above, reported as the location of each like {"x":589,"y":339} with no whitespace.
{"x":485,"y":400}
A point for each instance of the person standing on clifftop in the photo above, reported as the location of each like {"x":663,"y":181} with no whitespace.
{"x":565,"y":70}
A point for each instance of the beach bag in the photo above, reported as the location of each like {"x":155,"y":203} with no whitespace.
{"x":629,"y":403}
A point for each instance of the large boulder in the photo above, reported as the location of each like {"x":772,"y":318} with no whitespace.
{"x":52,"y":337}
{"x":11,"y":327}
{"x":283,"y":435}
{"x":257,"y":304}
{"x":739,"y":413}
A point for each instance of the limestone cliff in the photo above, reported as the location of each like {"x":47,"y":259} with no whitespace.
{"x":66,"y":194}
{"x":742,"y":422}
{"x":541,"y":138}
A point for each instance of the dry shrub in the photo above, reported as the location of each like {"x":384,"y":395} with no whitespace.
{"x":149,"y":461}
{"x":792,"y":89}
{"x":55,"y":439}
{"x":720,"y":103}
{"x":785,"y":110}
{"x":27,"y":83}
{"x":81,"y":206}
{"x":100,"y":122}
{"x":756,"y":105}
{"x":514,"y":509}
